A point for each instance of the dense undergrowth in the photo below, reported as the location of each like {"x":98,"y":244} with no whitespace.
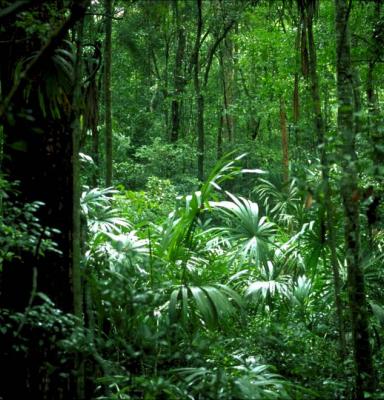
{"x":209,"y":295}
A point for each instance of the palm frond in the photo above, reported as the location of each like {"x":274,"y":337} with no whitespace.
{"x":271,"y":283}
{"x":96,"y":206}
{"x":210,"y":304}
{"x":251,"y":233}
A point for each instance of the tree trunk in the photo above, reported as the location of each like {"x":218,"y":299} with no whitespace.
{"x":228,"y":71}
{"x":178,"y":78}
{"x":107,"y":92}
{"x":296,"y":94}
{"x":327,"y":217}
{"x":91,"y":108}
{"x":198,"y":95}
{"x":76,"y":233}
{"x":364,"y":377}
{"x":220,"y":135}
{"x":374,"y":53}
{"x":41,"y":151}
{"x":284,"y":141}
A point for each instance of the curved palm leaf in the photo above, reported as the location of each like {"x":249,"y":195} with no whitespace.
{"x":237,"y":381}
{"x":211,"y":304}
{"x":184,"y":221}
{"x":96,"y":206}
{"x":284,"y":204}
{"x":302,"y":291}
{"x":272,"y":282}
{"x":250,"y":233}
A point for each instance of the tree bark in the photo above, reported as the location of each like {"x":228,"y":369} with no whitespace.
{"x":76,"y":233}
{"x":178,"y":78}
{"x":107,"y":92}
{"x":198,"y":94}
{"x":364,"y":376}
{"x":296,"y":94}
{"x":374,"y":53}
{"x":41,"y":153}
{"x":327,"y":214}
{"x":284,"y":141}
{"x":220,"y":135}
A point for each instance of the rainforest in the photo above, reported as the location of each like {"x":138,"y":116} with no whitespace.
{"x":191,"y":199}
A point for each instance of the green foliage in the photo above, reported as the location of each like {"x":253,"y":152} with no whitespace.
{"x":166,"y":160}
{"x":251,"y":234}
{"x":221,"y":289}
{"x":42,"y":332}
{"x":20,"y":230}
{"x":170,"y":295}
{"x":153,"y":204}
{"x":100,"y":216}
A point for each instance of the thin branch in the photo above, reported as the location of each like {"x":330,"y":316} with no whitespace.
{"x":214,"y":47}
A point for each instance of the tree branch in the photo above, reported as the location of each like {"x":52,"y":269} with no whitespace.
{"x":214,"y":47}
{"x":77,"y":12}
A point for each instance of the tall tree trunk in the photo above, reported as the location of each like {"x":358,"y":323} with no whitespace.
{"x":201,"y":86}
{"x":327,"y":214}
{"x":284,"y":141}
{"x":296,"y":99}
{"x":304,"y":49}
{"x":296,"y":93}
{"x":178,"y":78}
{"x":46,"y":166}
{"x":76,"y":233}
{"x":364,"y":377}
{"x":227,"y":79}
{"x":220,"y":135}
{"x":198,"y":94}
{"x":92,"y":95}
{"x":107,"y":91}
{"x":228,"y":71}
{"x":374,"y":53}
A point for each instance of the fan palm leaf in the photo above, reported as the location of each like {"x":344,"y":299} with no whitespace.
{"x":210,"y":304}
{"x":250,"y":233}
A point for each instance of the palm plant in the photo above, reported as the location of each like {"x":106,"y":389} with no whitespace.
{"x":250,"y":234}
{"x":181,"y":225}
{"x":283,"y":204}
{"x":244,"y":378}
{"x":52,"y":91}
{"x":212,"y":304}
{"x":177,"y":244}
{"x":271,"y":283}
{"x":100,"y":215}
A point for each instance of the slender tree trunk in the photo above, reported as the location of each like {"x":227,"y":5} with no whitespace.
{"x":312,"y":69}
{"x":296,"y":99}
{"x":284,"y":141}
{"x":178,"y":78}
{"x":357,"y":103}
{"x":220,"y":135}
{"x":374,"y":54}
{"x":304,"y":49}
{"x":327,"y":214}
{"x":107,"y":92}
{"x":228,"y":120}
{"x":228,"y":77}
{"x":296,"y":93}
{"x":365,"y":377}
{"x":76,"y":233}
{"x":198,"y":95}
